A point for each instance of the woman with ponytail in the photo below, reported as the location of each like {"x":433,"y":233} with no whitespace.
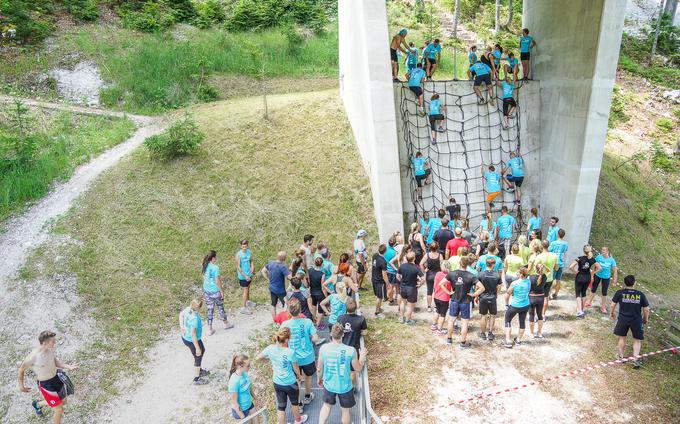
{"x":242,"y":399}
{"x":213,"y":293}
{"x":191,"y":328}
{"x":286,"y":375}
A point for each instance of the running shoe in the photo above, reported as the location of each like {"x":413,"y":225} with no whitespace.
{"x":482,"y":335}
{"x":491,"y":336}
{"x":421,"y":110}
{"x":433,"y":327}
{"x":429,"y":309}
{"x":411,"y":322}
{"x":200,"y":381}
{"x":449,"y":341}
{"x":603,"y":310}
{"x":228,"y":325}
{"x":507,"y":344}
{"x":637,"y":363}
{"x":38,"y":409}
{"x":580,"y":314}
{"x":245,"y":311}
{"x":362,"y":289}
{"x":308,"y":399}
{"x":250,"y":304}
{"x":440,"y":129}
{"x":379,"y":315}
{"x":393,"y":302}
{"x":203,"y":373}
{"x":481,"y":101}
{"x":440,"y":333}
{"x":510,"y":189}
{"x":401,"y":320}
{"x":491,"y":205}
{"x":465,"y":345}
{"x":434,"y":141}
{"x":303,"y":419}
{"x":517,"y":342}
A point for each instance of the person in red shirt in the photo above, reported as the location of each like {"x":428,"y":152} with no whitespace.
{"x":441,"y":299}
{"x":285,"y":316}
{"x":456,"y":242}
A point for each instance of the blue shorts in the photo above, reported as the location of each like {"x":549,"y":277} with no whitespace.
{"x":456,"y":308}
{"x":246,"y":412}
{"x":557,"y":275}
{"x":391,"y":278}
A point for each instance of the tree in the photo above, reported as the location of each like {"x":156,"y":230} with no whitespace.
{"x":671,"y":8}
{"x":657,"y":30}
{"x":456,"y":14}
{"x":498,"y":15}
{"x":507,"y":23}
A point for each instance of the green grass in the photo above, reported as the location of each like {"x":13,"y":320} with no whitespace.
{"x":636,"y":216}
{"x":666,"y":76}
{"x":61,"y":142}
{"x":143,"y":228}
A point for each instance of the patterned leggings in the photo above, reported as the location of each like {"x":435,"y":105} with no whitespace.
{"x":213,"y":299}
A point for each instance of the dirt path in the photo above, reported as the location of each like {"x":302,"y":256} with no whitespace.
{"x":34,"y":308}
{"x":164,"y":394}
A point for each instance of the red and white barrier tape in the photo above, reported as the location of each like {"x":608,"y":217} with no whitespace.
{"x":559,"y":376}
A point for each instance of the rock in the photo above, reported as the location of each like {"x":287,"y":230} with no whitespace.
{"x":672,"y":95}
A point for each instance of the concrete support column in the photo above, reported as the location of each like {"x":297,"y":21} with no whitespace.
{"x":367,"y":93}
{"x":576,"y":56}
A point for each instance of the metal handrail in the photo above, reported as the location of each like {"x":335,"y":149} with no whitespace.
{"x":262,"y":412}
{"x":368,"y":414}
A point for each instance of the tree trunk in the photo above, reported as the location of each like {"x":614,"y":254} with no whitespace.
{"x":671,"y":8}
{"x":498,"y":15}
{"x":507,"y":23}
{"x":658,"y":30}
{"x":456,"y":13}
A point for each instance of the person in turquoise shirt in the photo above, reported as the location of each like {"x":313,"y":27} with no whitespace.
{"x":411,"y":57}
{"x":519,"y":290}
{"x":239,"y":387}
{"x":336,"y":361}
{"x":526,"y":43}
{"x":421,"y":171}
{"x":472,"y":59}
{"x":437,"y":110}
{"x":553,"y":229}
{"x":493,"y":185}
{"x":424,"y":220}
{"x":482,"y":73}
{"x":191,"y":327}
{"x":432,"y":56}
{"x":392,"y":287}
{"x":337,"y":303}
{"x":416,"y":77}
{"x":286,"y":374}
{"x":608,"y":273}
{"x":302,"y":339}
{"x":492,"y":252}
{"x":497,"y":55}
{"x":509,"y":104}
{"x":511,"y":67}
{"x":213,"y":293}
{"x":504,"y":231}
{"x":433,"y":225}
{"x":534,"y":222}
{"x":515,"y":178}
{"x":558,"y":247}
{"x":244,"y":274}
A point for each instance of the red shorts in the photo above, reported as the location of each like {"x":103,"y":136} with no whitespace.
{"x":51,"y":390}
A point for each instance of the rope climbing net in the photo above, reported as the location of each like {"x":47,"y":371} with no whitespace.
{"x":473,"y":136}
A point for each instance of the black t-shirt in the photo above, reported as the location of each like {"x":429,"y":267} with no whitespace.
{"x":453,"y":210}
{"x":352,"y":325}
{"x":443,"y":235}
{"x":462,"y":282}
{"x":409,"y":274}
{"x":379,"y":265}
{"x":483,"y":245}
{"x":304,"y":307}
{"x":491,"y":280}
{"x":315,"y":277}
{"x":630,"y":302}
{"x":468,"y":236}
{"x":537,"y":284}
{"x":585,"y":264}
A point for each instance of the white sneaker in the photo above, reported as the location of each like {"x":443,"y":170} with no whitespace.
{"x":250,"y":304}
{"x":245,"y":311}
{"x":306,"y":400}
{"x":303,"y":419}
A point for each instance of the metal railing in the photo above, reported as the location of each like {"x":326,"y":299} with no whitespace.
{"x":366,"y":412}
{"x":262,"y":412}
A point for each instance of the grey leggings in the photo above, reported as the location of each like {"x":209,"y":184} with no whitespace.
{"x":213,"y":299}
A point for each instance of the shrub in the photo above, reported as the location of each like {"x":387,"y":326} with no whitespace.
{"x":664,"y":124}
{"x":111,"y":96}
{"x":152,"y":17}
{"x":207,"y":93}
{"x":676,"y":113}
{"x":616,"y":112}
{"x":661,"y":160}
{"x":209,"y":13}
{"x":83,"y":10}
{"x":32,"y":19}
{"x":294,"y":40}
{"x":182,"y":138}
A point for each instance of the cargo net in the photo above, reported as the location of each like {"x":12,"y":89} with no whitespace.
{"x":473,"y":135}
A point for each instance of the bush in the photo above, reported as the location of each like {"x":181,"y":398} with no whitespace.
{"x":616,"y":112}
{"x":83,"y":10}
{"x":294,"y":40}
{"x":32,"y":19}
{"x":664,"y":124}
{"x":207,"y":93}
{"x":208,"y":14}
{"x":182,"y":138}
{"x":248,"y":15}
{"x":111,"y":96}
{"x":676,"y":113}
{"x":661,"y":160}
{"x":151,"y":18}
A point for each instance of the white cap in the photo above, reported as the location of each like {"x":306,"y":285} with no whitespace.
{"x":361,"y":233}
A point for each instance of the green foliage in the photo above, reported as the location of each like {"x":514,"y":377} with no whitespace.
{"x":664,"y":75}
{"x":480,"y":17}
{"x":259,"y":14}
{"x":31,"y":19}
{"x":661,"y":160}
{"x":83,"y":10}
{"x":294,"y":40}
{"x":665,"y":124}
{"x":676,"y":112}
{"x":209,"y":13}
{"x":152,"y":17}
{"x":207,"y":93}
{"x":617,"y":113}
{"x":182,"y":138}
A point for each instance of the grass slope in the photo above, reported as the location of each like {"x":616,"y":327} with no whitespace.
{"x":143,"y":228}
{"x":60,"y":142}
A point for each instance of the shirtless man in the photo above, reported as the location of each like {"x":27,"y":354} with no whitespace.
{"x":44,"y":363}
{"x":398,"y":41}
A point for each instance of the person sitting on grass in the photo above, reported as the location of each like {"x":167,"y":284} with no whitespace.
{"x":398,"y":43}
{"x":472,"y":59}
{"x":432,"y":54}
{"x":239,"y":386}
{"x":421,"y":170}
{"x":416,"y":77}
{"x":437,"y":110}
{"x":493,"y":185}
{"x":511,"y":67}
{"x":482,"y":75}
{"x":633,"y":315}
{"x":509,"y":103}
{"x":412,"y":57}
{"x":516,"y":176}
{"x":526,"y":43}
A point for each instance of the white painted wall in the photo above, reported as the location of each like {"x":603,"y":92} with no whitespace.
{"x":367,"y":93}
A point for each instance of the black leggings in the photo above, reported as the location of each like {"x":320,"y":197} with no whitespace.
{"x":192,"y":348}
{"x":536,"y":308}
{"x":430,"y":283}
{"x":512,"y":311}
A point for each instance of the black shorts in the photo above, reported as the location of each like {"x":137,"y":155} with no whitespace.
{"x":417,"y":90}
{"x":488,"y":306}
{"x":524,"y":56}
{"x":421,"y":178}
{"x":441,"y":306}
{"x":285,"y":393}
{"x":605,"y":284}
{"x":278,"y":297}
{"x":346,"y":399}
{"x":393,"y":55}
{"x":55,"y":385}
{"x":432,"y":61}
{"x":434,"y":119}
{"x":361,"y":269}
{"x":546,"y":289}
{"x":636,"y":327}
{"x":380,"y":290}
{"x":192,"y":348}
{"x":244,"y":283}
{"x":507,"y":104}
{"x":309,"y":369}
{"x":409,"y":293}
{"x":512,"y":311}
{"x":581,"y":283}
{"x":392,"y":278}
{"x":317,"y":298}
{"x":516,"y":180}
{"x":479,"y":79}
